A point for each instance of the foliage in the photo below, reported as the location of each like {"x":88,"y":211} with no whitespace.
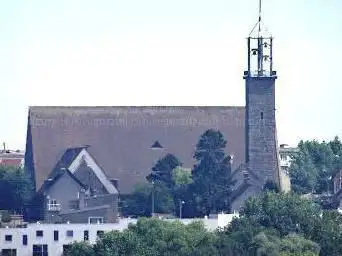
{"x":272,"y":224}
{"x":270,"y":185}
{"x":287,"y":213}
{"x":5,"y":216}
{"x":212,"y":174}
{"x":181,"y":176}
{"x":156,"y":237}
{"x":328,"y":233}
{"x":15,"y":189}
{"x":80,"y":249}
{"x":140,"y":202}
{"x":314,"y":166}
{"x":275,"y":224}
{"x":294,"y":244}
{"x":163,"y":170}
{"x":205,"y":189}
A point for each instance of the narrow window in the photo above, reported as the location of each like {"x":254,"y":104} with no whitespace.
{"x":262,"y":115}
{"x":70,"y":233}
{"x":55,"y":235}
{"x":24,"y":239}
{"x":8,"y":238}
{"x":86,"y":235}
{"x":39,"y":233}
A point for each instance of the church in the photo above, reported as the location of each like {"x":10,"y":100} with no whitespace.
{"x":126,"y":142}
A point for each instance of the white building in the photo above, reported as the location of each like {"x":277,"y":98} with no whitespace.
{"x":285,"y":153}
{"x":54,"y":239}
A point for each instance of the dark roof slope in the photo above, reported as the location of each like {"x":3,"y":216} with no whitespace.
{"x":120,"y":138}
{"x":61,"y":168}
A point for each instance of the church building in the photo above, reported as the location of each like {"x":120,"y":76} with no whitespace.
{"x":126,"y":142}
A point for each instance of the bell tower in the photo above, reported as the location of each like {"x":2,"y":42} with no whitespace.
{"x":260,"y":123}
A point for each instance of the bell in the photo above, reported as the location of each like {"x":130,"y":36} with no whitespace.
{"x":254,"y":51}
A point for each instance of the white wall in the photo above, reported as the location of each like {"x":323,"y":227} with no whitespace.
{"x":55,"y":248}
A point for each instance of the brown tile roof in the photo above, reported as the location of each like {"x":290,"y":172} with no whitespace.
{"x":120,"y":138}
{"x":13,"y":162}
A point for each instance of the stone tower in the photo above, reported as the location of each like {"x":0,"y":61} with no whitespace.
{"x":260,"y":123}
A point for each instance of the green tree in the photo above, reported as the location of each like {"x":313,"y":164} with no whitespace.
{"x":285,"y":212}
{"x":80,"y":249}
{"x":270,"y":185}
{"x":181,"y":176}
{"x":163,"y":169}
{"x":161,"y":185}
{"x":314,"y":166}
{"x":303,"y":173}
{"x":139,"y":203}
{"x":294,"y":244}
{"x":157,"y":237}
{"x":15,"y":189}
{"x":328,"y":233}
{"x":336,"y":146}
{"x":212,"y":174}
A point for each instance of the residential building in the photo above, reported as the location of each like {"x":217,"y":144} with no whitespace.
{"x":55,"y":239}
{"x":77,"y":190}
{"x":286,"y":153}
{"x":285,"y":158}
{"x":12,"y":158}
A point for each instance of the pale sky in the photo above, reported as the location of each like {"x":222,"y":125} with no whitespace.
{"x":159,"y":52}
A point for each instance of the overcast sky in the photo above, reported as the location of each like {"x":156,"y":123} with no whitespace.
{"x":162,"y":52}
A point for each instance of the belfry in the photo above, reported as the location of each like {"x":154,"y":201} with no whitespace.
{"x":260,"y":121}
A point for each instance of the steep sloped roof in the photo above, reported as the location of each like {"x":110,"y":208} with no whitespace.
{"x":120,"y":138}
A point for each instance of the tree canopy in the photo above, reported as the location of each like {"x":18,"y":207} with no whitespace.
{"x":204,"y":189}
{"x":212,"y":174}
{"x":15,"y":189}
{"x":314,"y":166}
{"x":272,"y":224}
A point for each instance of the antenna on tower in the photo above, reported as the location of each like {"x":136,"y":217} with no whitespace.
{"x":259,"y":17}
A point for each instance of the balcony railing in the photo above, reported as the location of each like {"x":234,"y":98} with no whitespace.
{"x":54,"y":207}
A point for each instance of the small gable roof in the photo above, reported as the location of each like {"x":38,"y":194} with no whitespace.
{"x":70,"y":162}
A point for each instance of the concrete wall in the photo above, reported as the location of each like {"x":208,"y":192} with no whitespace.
{"x":82,"y":216}
{"x":63,"y":190}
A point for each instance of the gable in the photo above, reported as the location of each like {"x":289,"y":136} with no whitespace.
{"x":85,"y":158}
{"x":120,"y":138}
{"x":64,"y":189}
{"x":87,"y":176}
